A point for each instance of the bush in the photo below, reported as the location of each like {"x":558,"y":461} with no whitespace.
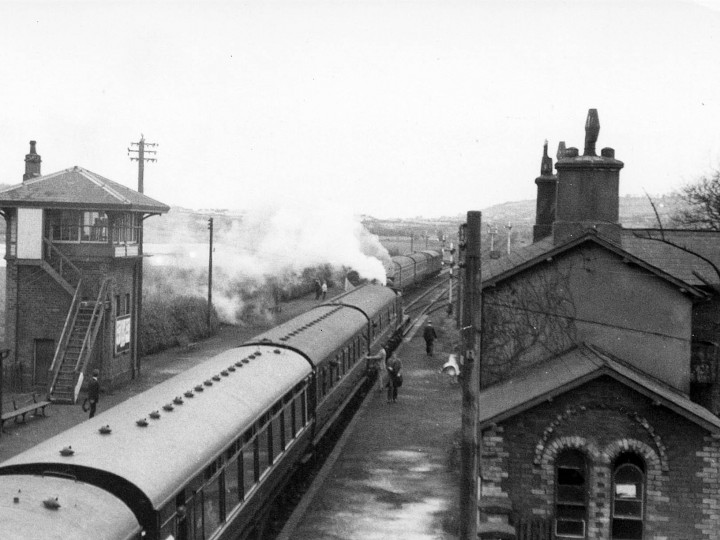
{"x":179,"y":320}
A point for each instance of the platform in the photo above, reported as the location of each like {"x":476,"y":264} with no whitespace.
{"x":395,"y":475}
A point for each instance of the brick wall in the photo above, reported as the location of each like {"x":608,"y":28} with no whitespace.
{"x":603,"y":419}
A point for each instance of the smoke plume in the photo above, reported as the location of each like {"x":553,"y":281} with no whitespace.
{"x":267,"y":254}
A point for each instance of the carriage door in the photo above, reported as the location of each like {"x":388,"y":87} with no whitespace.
{"x":44,"y":353}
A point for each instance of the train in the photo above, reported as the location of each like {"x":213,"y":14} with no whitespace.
{"x":408,"y":271}
{"x":201,"y":455}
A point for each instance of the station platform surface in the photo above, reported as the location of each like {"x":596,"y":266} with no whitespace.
{"x":394,"y":474}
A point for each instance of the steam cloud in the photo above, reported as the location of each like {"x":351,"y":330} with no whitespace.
{"x":270,"y":248}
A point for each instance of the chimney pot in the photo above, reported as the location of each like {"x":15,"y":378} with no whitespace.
{"x":608,"y":152}
{"x":32,"y":163}
{"x":571,"y":152}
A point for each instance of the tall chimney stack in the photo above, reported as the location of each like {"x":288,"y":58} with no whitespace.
{"x":546,"y":190}
{"x":588,"y":189}
{"x":32,"y":163}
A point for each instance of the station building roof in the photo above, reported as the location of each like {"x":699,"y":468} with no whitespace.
{"x":572,"y":369}
{"x":78,"y":188}
{"x":674,"y":259}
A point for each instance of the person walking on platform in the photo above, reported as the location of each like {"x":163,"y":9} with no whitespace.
{"x":394,"y":369}
{"x":377,"y":363}
{"x":429,"y":335}
{"x":94,"y":392}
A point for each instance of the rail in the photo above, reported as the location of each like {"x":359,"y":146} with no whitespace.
{"x":65,"y":336}
{"x":61,"y":264}
{"x":93,"y":327}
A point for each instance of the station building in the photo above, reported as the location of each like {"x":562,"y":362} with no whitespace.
{"x":599,"y":388}
{"x":73,"y":278}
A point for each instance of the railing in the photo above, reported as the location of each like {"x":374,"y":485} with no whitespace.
{"x":93,"y":328}
{"x":65,"y":336}
{"x":61,"y":264}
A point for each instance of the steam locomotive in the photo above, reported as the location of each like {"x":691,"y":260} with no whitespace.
{"x":200,"y":455}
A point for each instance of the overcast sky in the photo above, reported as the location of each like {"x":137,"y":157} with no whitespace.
{"x":390,"y":108}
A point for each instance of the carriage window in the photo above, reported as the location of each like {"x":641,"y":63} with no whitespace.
{"x":233,"y":483}
{"x":292,"y":414}
{"x":249,"y":470}
{"x":570,"y":498}
{"x":277,"y":438}
{"x":211,"y":507}
{"x":627,"y":498}
{"x":303,"y":408}
{"x":289,"y":424}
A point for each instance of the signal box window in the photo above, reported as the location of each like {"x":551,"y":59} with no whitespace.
{"x":571,"y":495}
{"x":627,"y":498}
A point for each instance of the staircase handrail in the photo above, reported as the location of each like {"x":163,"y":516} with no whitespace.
{"x":93,"y":328}
{"x":64,"y":262}
{"x":65,"y":336}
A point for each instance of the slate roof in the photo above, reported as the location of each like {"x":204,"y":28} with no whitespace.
{"x":572,"y":369}
{"x":672,"y":259}
{"x":78,"y":188}
{"x":667,"y":261}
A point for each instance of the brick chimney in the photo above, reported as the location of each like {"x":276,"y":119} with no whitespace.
{"x":588,"y":189}
{"x":546,"y":190}
{"x":32,"y":163}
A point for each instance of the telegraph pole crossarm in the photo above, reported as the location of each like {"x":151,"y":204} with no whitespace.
{"x":141,"y":159}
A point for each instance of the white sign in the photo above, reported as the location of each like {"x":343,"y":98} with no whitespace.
{"x":122,"y":333}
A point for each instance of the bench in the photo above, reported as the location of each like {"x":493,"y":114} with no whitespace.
{"x":21,"y":410}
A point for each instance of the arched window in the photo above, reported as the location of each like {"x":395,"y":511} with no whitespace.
{"x":570,"y":494}
{"x":628,"y":497}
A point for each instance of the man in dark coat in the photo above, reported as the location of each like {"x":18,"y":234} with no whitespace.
{"x":94,"y":392}
{"x":429,"y":335}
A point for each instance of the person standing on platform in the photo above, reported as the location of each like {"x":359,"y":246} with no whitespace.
{"x":429,"y":335}
{"x":324,"y":289}
{"x":318,"y":289}
{"x":94,"y":392}
{"x":394,"y":370}
{"x":377,"y":363}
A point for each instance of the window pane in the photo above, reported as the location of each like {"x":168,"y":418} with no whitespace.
{"x":277,"y":446}
{"x":571,"y":477}
{"x":232,"y":485}
{"x":197,"y":517}
{"x":289,"y":427}
{"x":248,"y":457}
{"x":262,"y":448}
{"x":626,"y":529}
{"x":571,"y":494}
{"x":211,"y":506}
{"x":628,"y":509}
{"x":570,"y":528}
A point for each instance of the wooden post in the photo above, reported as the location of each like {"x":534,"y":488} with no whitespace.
{"x":470,"y":330}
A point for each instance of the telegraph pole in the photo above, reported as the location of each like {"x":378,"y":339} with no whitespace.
{"x":210,"y":268}
{"x":470,"y":334}
{"x":141,"y":159}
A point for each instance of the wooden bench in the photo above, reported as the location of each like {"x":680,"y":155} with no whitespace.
{"x":20,"y":410}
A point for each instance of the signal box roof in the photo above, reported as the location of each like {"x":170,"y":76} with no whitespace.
{"x":78,"y":188}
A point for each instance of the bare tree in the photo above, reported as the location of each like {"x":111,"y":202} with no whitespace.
{"x":532,"y":316}
{"x":703,"y":200}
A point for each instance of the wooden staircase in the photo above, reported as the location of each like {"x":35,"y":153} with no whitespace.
{"x":82,"y":325}
{"x":76,"y":346}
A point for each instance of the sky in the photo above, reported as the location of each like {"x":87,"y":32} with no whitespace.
{"x":393,"y":108}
